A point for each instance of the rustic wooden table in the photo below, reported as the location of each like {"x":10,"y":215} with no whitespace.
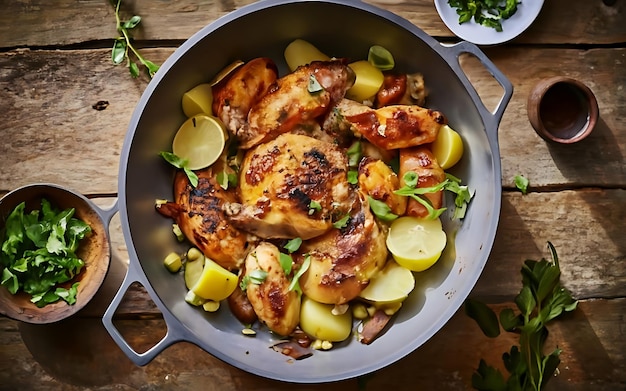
{"x":55,"y":65}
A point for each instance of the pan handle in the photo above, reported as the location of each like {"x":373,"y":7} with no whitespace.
{"x":491,"y":119}
{"x":174,"y":332}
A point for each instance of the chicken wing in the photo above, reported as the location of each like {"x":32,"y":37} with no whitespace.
{"x":234,"y":96}
{"x":343,"y":260}
{"x":296,"y":98}
{"x":268,"y":290}
{"x":422,"y":161}
{"x":198,"y":213}
{"x":392,"y":127}
{"x":293,"y":186}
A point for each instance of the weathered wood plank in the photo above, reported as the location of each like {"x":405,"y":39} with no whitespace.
{"x":560,"y":21}
{"x":591,"y":339}
{"x":48,"y":129}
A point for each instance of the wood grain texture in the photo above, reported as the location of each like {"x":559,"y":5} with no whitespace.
{"x":49,"y":129}
{"x":67,"y":22}
{"x":446,"y":362}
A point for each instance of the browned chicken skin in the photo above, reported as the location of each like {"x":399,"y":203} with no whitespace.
{"x":293,"y":186}
{"x":292,"y":102}
{"x":275,"y":305}
{"x":198,"y":212}
{"x":422,"y":161}
{"x":234,"y":96}
{"x":392,"y":127}
{"x":343,"y":260}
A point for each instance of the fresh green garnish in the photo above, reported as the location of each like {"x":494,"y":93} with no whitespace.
{"x":39,"y":253}
{"x":451,"y":183}
{"x":353,"y":177}
{"x":314,"y":206}
{"x":181,"y":164}
{"x":295,"y":285}
{"x":123,"y":44}
{"x":381,"y":210}
{"x":254,"y":277}
{"x":521,"y":183}
{"x":488,"y":13}
{"x":342,"y":222}
{"x":314,"y":85}
{"x":355,"y":153}
{"x":286,"y":261}
{"x":541,"y":299}
{"x":381,"y":58}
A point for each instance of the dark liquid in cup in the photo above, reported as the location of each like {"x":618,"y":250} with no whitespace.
{"x":564,"y":111}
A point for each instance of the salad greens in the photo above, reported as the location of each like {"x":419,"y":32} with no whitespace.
{"x":541,"y":299}
{"x":488,"y":13}
{"x":39,"y":252}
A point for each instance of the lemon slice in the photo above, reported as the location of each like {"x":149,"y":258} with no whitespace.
{"x":448,"y":147}
{"x":390,"y":285}
{"x":198,"y":100}
{"x":215,"y":282}
{"x":193,"y":271}
{"x":416,"y":243}
{"x":368,"y":81}
{"x":200,"y":140}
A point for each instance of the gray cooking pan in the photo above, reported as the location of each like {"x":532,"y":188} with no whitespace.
{"x":342,"y":29}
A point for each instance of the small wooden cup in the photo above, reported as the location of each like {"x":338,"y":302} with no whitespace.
{"x":94,"y":249}
{"x":562,"y":110}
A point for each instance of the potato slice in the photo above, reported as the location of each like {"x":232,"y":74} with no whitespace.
{"x":368,"y":81}
{"x":215,"y":282}
{"x":391,"y":285}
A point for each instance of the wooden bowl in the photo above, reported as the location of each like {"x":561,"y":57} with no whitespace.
{"x":95,"y":250}
{"x":562,"y":109}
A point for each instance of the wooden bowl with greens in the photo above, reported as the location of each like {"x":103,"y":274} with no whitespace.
{"x":54,"y":253}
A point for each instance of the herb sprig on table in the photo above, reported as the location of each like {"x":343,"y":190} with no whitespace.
{"x":123,"y":45}
{"x":541,"y":300}
{"x":39,"y":252}
{"x":488,"y":13}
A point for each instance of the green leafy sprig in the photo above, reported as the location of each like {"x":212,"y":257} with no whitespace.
{"x":123,"y":44}
{"x":541,"y":300}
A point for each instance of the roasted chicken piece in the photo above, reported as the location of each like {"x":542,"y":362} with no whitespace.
{"x":275,"y":305}
{"x":296,"y":98}
{"x":293,"y":186}
{"x":392,"y":127}
{"x":422,"y":161}
{"x":378,"y":180}
{"x":343,"y":260}
{"x":198,"y":212}
{"x":234,"y":96}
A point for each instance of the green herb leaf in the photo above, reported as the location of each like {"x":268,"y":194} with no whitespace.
{"x":180,"y":163}
{"x":295,"y":285}
{"x":314,"y":85}
{"x":286,"y":262}
{"x":314,"y":206}
{"x":521,"y":183}
{"x":355,"y":154}
{"x":381,"y":210}
{"x":118,"y":54}
{"x":353,"y":177}
{"x":342,"y":222}
{"x":131,"y":23}
{"x":381,"y":58}
{"x":293,"y":245}
{"x":484,"y":316}
{"x":488,"y":13}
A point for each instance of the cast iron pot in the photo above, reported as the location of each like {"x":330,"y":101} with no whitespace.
{"x":344,"y":29}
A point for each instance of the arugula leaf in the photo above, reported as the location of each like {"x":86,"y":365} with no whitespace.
{"x":540,"y":300}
